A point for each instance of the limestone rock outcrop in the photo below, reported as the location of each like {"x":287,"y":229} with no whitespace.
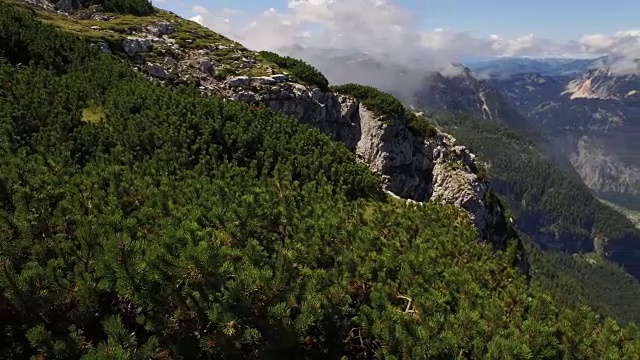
{"x":411,"y":166}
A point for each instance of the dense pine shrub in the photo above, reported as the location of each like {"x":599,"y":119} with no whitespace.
{"x":181,"y":226}
{"x":299,"y":69}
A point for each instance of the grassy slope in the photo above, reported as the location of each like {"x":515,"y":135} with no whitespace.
{"x":188,"y":35}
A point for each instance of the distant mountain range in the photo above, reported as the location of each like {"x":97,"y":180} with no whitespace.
{"x":504,"y":67}
{"x":588,"y":108}
{"x":593,"y":119}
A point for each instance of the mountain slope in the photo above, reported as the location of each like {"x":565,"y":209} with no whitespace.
{"x":506,"y":67}
{"x":141,"y":221}
{"x":585,"y":279}
{"x":555,"y":210}
{"x":174,"y":51}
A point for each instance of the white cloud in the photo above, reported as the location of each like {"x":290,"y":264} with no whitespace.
{"x":381,"y":28}
{"x":198,"y":18}
{"x":623,"y":43}
{"x":199,"y":9}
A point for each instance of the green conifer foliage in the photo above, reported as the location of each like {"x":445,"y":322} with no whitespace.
{"x":186,"y":227}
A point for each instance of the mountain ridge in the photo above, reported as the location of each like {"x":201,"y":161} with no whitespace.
{"x":412,"y":164}
{"x":147,"y":221}
{"x":510,"y":66}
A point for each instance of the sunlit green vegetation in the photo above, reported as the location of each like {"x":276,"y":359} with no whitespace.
{"x":187,"y":227}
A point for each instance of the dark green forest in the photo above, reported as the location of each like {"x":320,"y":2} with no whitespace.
{"x":576,"y":279}
{"x":139,"y":221}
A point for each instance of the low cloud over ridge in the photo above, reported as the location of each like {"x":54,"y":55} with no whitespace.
{"x":383,"y":30}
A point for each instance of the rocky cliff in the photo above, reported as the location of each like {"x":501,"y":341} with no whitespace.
{"x":412,"y":166}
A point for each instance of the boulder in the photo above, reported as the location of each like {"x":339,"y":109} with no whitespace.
{"x":104,"y":47}
{"x":133,"y":46}
{"x":280,"y":78}
{"x":100,"y":17}
{"x":89,"y":12}
{"x":157,"y":71}
{"x":239,"y":81}
{"x":165,"y":28}
{"x":263,"y":80}
{"x":206,"y":66}
{"x":160,"y":29}
{"x":153,"y":31}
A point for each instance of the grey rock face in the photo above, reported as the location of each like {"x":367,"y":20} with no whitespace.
{"x":206,"y":66}
{"x":403,"y":159}
{"x":157,"y":71}
{"x":133,"y":46}
{"x":263,"y":80}
{"x":412,"y":167}
{"x":239,"y":81}
{"x":463,"y":189}
{"x":278,"y":78}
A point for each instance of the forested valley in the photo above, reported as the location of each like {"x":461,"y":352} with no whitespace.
{"x":557,"y":215}
{"x":140,"y":221}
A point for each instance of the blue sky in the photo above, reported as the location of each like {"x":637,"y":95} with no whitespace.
{"x":553,"y":19}
{"x":451,"y":30}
